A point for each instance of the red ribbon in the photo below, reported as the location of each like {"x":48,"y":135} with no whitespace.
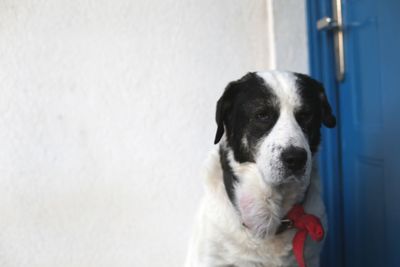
{"x":305,"y":224}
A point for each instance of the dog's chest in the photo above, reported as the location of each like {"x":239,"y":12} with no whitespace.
{"x":272,"y":252}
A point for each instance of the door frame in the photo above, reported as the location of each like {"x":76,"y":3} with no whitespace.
{"x":321,"y":65}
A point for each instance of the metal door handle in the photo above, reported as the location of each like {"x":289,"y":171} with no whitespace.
{"x":335,"y":24}
{"x":326,"y":23}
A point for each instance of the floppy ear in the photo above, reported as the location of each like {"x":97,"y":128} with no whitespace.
{"x":219,"y":117}
{"x":224,"y":104}
{"x":328,"y":119}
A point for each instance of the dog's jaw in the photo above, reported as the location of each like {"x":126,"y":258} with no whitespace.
{"x":261,"y":205}
{"x":257,"y":202}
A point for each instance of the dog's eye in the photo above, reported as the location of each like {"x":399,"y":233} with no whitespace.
{"x":263,"y":116}
{"x":304,"y":116}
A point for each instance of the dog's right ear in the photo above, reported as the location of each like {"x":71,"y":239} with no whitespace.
{"x":225,"y":103}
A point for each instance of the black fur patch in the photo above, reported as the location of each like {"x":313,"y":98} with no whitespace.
{"x":247,"y":111}
{"x":229,"y":177}
{"x":315,"y":109}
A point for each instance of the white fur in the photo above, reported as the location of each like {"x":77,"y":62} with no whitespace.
{"x":286,"y":131}
{"x":245,"y":236}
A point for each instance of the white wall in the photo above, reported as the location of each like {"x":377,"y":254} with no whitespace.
{"x":106,"y":115}
{"x":288,"y":46}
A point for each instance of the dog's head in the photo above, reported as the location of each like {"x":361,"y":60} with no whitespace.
{"x":271,"y":121}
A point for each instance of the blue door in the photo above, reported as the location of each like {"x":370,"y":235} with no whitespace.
{"x":361,"y":159}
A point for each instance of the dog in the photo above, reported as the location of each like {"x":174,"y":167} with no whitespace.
{"x":268,"y":134}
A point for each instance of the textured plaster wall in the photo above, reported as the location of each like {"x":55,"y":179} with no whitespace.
{"x":289,"y":35}
{"x":106,"y":116}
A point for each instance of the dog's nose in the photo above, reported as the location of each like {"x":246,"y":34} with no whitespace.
{"x":294,"y":158}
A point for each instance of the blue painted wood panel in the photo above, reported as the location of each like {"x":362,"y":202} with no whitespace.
{"x":360,"y":98}
{"x":360,"y":162}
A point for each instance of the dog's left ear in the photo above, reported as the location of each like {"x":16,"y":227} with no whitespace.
{"x":328,"y":119}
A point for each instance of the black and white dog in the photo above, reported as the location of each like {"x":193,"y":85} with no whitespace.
{"x":268,"y":134}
